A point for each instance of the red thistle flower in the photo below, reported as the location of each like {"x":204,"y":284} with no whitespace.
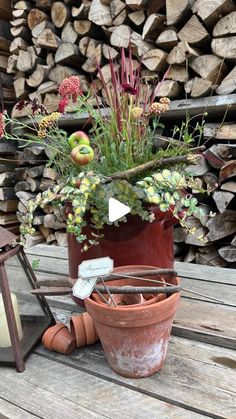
{"x":62,"y":104}
{"x":2,"y":124}
{"x":127,"y":88}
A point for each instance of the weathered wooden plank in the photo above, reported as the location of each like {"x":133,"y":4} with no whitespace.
{"x":221,"y":275}
{"x":47,"y":264}
{"x":207,"y":273}
{"x":194,"y":376}
{"x":48,"y":251}
{"x":214,"y":106}
{"x":37,"y":399}
{"x":206,"y":322}
{"x":225,"y":294}
{"x":54,"y":390}
{"x":72,"y":119}
{"x":10,"y":411}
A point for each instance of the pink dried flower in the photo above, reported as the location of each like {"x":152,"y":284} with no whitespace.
{"x":165,"y":107}
{"x":62,"y":104}
{"x":155,"y":108}
{"x":2,"y":124}
{"x":70,"y":87}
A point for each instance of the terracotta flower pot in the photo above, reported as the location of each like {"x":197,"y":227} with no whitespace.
{"x":58,"y":338}
{"x":132,"y":299}
{"x":135,"y":340}
{"x":126,"y":299}
{"x":83,"y":330}
{"x":77,"y":330}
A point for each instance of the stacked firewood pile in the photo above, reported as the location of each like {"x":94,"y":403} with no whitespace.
{"x":54,"y":39}
{"x":8,"y":200}
{"x":217,"y":168}
{"x":190,"y":42}
{"x":33,"y":177}
{"x":8,"y":203}
{"x":6,"y":81}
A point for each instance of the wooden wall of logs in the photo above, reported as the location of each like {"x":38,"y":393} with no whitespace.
{"x":53,"y":39}
{"x":217,"y":168}
{"x":194,"y":39}
{"x":8,"y":204}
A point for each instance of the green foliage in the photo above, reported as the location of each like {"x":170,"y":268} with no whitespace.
{"x":35,"y":264}
{"x":189,"y":133}
{"x":164,"y":189}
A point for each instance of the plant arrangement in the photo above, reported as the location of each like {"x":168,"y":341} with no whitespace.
{"x":116,"y":159}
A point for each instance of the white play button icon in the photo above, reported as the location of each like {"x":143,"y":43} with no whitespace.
{"x":116,"y":210}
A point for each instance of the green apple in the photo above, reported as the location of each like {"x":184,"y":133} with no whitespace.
{"x":82,"y":154}
{"x":78,"y":138}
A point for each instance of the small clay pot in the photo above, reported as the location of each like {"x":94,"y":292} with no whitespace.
{"x":90,"y":331}
{"x":77,"y":330}
{"x":127,"y":299}
{"x":58,"y":338}
{"x":82,"y":328}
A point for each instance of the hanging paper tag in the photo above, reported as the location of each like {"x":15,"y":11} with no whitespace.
{"x":89,"y":272}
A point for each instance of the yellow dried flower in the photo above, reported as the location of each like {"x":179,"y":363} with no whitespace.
{"x":164,"y":100}
{"x":46,"y":122}
{"x":137,"y":112}
{"x":42,"y":133}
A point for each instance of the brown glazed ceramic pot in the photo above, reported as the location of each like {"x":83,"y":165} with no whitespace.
{"x":58,"y":338}
{"x":135,"y":340}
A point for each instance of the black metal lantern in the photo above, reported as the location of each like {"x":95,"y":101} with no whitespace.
{"x":23,"y":317}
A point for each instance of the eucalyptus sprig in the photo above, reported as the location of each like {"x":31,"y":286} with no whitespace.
{"x":89,"y":195}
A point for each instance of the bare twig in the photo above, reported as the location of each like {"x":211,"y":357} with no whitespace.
{"x":127,"y":174}
{"x":138,"y":290}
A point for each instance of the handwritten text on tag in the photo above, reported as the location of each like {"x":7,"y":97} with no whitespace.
{"x":96,"y":267}
{"x":89,"y":272}
{"x":83,"y":288}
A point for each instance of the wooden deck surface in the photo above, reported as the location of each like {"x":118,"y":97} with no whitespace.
{"x":197,"y":381}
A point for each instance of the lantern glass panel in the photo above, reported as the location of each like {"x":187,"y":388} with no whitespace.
{"x":31,"y":314}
